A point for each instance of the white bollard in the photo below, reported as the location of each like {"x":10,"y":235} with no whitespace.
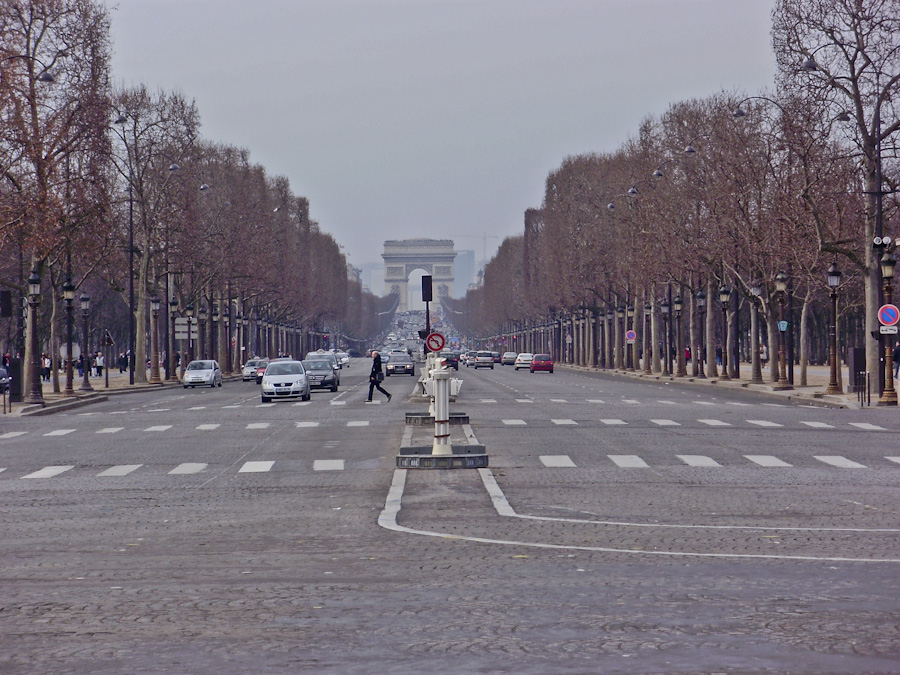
{"x":441,"y":377}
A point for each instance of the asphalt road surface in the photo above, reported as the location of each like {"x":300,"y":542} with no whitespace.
{"x":623,"y":526}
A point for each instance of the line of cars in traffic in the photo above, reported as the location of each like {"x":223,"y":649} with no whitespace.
{"x":486,"y":359}
{"x":282,"y":377}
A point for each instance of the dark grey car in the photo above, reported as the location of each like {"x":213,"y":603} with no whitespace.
{"x":321,"y":374}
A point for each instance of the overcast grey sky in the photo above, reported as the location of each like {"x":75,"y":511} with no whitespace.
{"x":434,"y":118}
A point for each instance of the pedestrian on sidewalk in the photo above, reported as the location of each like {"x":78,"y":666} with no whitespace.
{"x":100,"y":364}
{"x":376,"y":377}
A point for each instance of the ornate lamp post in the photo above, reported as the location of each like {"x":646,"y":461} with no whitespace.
{"x":648,"y":340}
{"x":85,"y":310}
{"x":889,"y":395}
{"x":781,"y":287}
{"x":189,"y":313}
{"x":154,"y":341}
{"x":244,"y":354}
{"x":69,"y":295}
{"x":667,"y":353}
{"x":724,"y":298}
{"x":226,"y":317}
{"x":756,"y":364}
{"x":701,"y":306}
{"x":679,"y":347}
{"x":171,"y":375}
{"x":834,"y":280}
{"x":35,"y":394}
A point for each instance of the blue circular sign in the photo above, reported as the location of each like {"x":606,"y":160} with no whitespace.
{"x":888,"y":315}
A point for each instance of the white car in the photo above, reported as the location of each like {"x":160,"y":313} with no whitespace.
{"x":248,"y":372}
{"x":202,"y":374}
{"x":484,"y":360}
{"x":285,"y":379}
{"x":343,"y":358}
{"x":523,"y":360}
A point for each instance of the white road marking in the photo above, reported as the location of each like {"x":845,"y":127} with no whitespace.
{"x":50,"y":471}
{"x":764,"y":423}
{"x":338,"y":402}
{"x":162,"y":427}
{"x":704,"y":403}
{"x":840,"y":462}
{"x":666,"y":423}
{"x":256,"y":467}
{"x":524,"y":400}
{"x":328,"y":465}
{"x":207,"y":427}
{"x":299,"y":403}
{"x":302,"y":425}
{"x":512,"y":423}
{"x":631,"y":400}
{"x":159,"y":410}
{"x":628,"y":461}
{"x":110,"y":430}
{"x":736,"y":403}
{"x":230,"y":406}
{"x":775,"y":405}
{"x":120,"y":470}
{"x":13,"y":434}
{"x":893,"y":459}
{"x":258,"y":425}
{"x":818,"y":425}
{"x":188,"y":467}
{"x":557,"y":461}
{"x":561,"y":422}
{"x":668,"y":402}
{"x":595,"y":400}
{"x":614,"y":422}
{"x":698,"y":460}
{"x":198,"y":407}
{"x":558,"y":400}
{"x":59,"y":432}
{"x":865,"y":426}
{"x":715,"y":423}
{"x":358,"y":423}
{"x":265,"y":405}
{"x":394,"y":500}
{"x":766,"y":460}
{"x":488,"y":400}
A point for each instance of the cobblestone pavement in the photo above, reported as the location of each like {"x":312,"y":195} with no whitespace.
{"x":281,"y":567}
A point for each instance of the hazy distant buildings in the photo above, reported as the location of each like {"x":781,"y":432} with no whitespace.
{"x":464,"y":272}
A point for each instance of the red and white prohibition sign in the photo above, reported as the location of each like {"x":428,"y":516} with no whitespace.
{"x":435,"y":342}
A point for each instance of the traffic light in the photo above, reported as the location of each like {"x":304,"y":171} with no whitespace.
{"x":423,"y":334}
{"x":426,"y":288}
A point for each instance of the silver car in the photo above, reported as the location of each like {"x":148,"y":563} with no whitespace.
{"x":285,"y":379}
{"x":202,"y":374}
{"x":248,"y":372}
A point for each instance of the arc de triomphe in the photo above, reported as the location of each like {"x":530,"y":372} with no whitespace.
{"x":401,"y":257}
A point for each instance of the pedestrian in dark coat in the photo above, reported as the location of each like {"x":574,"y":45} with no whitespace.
{"x":376,"y":377}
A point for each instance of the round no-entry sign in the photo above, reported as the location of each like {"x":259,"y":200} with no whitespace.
{"x":435,"y":342}
{"x":888,"y":315}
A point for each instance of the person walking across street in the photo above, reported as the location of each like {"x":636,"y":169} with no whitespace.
{"x":376,"y":377}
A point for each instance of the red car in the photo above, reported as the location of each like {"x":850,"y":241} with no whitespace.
{"x":541,"y":362}
{"x":261,"y":366}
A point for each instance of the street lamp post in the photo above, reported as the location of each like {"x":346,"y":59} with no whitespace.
{"x":679,"y":347}
{"x":171,"y":375}
{"x":154,"y":341}
{"x":724,"y":297}
{"x":756,"y":363}
{"x":202,"y":314}
{"x":889,"y":395}
{"x":781,"y":280}
{"x":648,"y":340}
{"x":667,"y":353}
{"x":701,"y":307}
{"x":35,"y":394}
{"x":189,"y":313}
{"x":85,"y":310}
{"x":69,"y":295}
{"x":621,"y":355}
{"x":227,"y":318}
{"x":834,"y":280}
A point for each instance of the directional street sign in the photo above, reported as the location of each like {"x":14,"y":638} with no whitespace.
{"x":181,"y":329}
{"x":888,"y":330}
{"x":888,"y":315}
{"x":435,"y":342}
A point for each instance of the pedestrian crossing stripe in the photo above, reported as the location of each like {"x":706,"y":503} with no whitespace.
{"x":840,"y":462}
{"x":162,"y":427}
{"x":628,"y":461}
{"x":256,"y":467}
{"x":767,"y":460}
{"x":50,"y":471}
{"x":818,"y":425}
{"x":714,"y":423}
{"x":301,"y":425}
{"x":328,"y":465}
{"x":13,"y":434}
{"x":258,"y":425}
{"x":564,"y":422}
{"x":514,"y":423}
{"x":188,"y":468}
{"x":865,"y":426}
{"x":698,"y":460}
{"x":666,"y":423}
{"x":557,"y":461}
{"x":207,"y":427}
{"x":110,"y":430}
{"x":120,"y":470}
{"x":60,"y":432}
{"x":612,"y":422}
{"x":764,"y":423}
{"x":358,"y":423}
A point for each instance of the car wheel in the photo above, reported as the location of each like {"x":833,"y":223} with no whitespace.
{"x":334,"y":389}
{"x":265,"y":399}
{"x":305,"y":397}
{"x":185,"y":386}
{"x":387,"y":374}
{"x":551,"y":371}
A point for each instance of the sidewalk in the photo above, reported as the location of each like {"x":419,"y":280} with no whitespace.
{"x":812,"y":394}
{"x":118,"y":385}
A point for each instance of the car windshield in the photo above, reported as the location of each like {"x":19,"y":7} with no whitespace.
{"x":401,"y":358}
{"x":200,"y":365}
{"x":485,"y":355}
{"x":290,"y":368}
{"x":250,"y":364}
{"x":318,"y":365}
{"x":541,"y":357}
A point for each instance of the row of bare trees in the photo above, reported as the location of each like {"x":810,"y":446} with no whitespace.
{"x":726,"y":192}
{"x":117,"y":190}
